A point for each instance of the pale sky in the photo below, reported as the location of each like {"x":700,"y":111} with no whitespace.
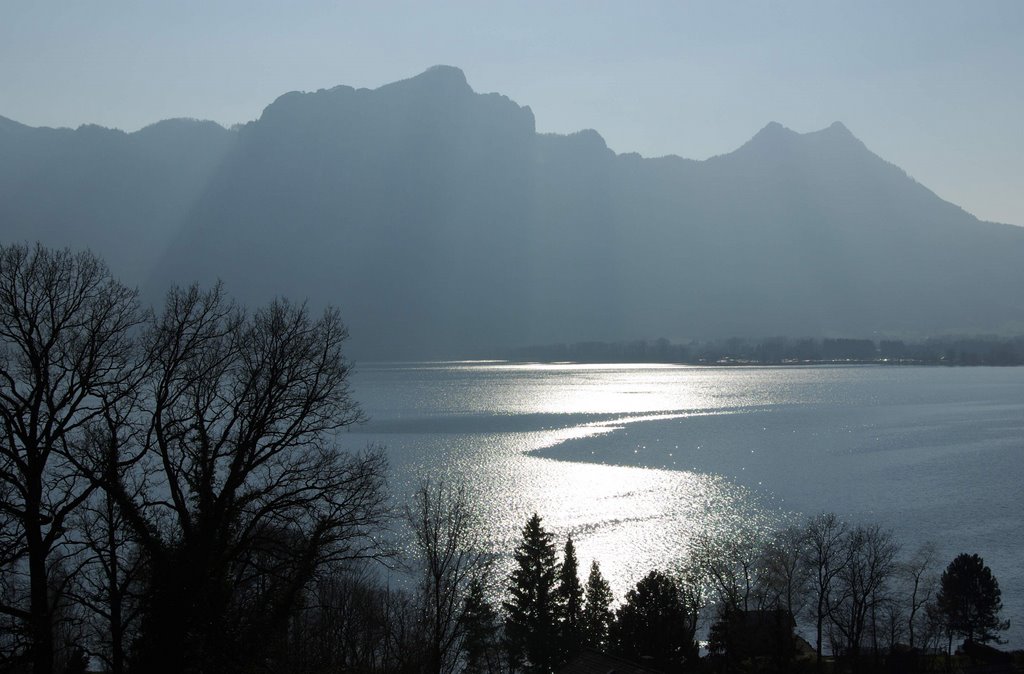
{"x":934,"y":86}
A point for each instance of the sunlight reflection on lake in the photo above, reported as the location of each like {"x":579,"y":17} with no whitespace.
{"x":632,"y":461}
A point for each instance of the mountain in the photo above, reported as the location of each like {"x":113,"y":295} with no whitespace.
{"x":124,"y":195}
{"x":443,"y":224}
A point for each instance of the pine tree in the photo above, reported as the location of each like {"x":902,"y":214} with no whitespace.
{"x":570,"y":603}
{"x":597,"y":610}
{"x":531,"y":611}
{"x":970,"y":599}
{"x":479,"y":623}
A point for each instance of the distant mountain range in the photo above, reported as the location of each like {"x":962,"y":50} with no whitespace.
{"x":443,"y":224}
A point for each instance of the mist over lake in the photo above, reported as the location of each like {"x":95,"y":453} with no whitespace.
{"x":633,"y":460}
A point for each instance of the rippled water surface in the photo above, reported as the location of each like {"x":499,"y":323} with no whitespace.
{"x":633,"y":460}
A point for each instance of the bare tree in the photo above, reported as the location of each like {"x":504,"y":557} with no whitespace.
{"x":450,"y":558}
{"x":14,"y":642}
{"x":824,"y":559}
{"x":731,"y":568}
{"x":785,"y":576}
{"x":351,"y":621}
{"x":922,"y":581}
{"x":242,"y":495}
{"x":860,"y":587}
{"x":107,"y":584}
{"x":65,"y":357}
{"x":693,"y":594}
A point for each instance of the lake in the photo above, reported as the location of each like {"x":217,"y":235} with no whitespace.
{"x":634,"y":460}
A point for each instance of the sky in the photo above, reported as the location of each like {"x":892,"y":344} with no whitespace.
{"x":934,"y":86}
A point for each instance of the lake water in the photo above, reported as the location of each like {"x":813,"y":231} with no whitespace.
{"x":633,"y":460}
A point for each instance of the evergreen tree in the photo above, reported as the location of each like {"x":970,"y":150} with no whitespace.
{"x":970,"y":599}
{"x":531,"y":621}
{"x":479,"y":622}
{"x":654,"y":624}
{"x":597,"y":610}
{"x":570,"y":603}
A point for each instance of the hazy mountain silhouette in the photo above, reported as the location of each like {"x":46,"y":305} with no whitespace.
{"x":124,"y":195}
{"x":443,"y":224}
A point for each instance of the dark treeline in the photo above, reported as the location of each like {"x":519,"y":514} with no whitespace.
{"x":169,"y":488}
{"x":172,"y":500}
{"x":865,"y":605}
{"x":985,"y":350}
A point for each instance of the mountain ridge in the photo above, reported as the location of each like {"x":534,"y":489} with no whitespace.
{"x":443,"y":224}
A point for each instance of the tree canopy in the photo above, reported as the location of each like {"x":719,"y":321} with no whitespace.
{"x":655,"y":623}
{"x":970,"y":600}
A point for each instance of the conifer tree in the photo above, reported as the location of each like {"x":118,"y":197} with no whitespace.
{"x":531,"y":611}
{"x":570,"y":603}
{"x":970,"y":600}
{"x":479,"y":622}
{"x":597,"y":610}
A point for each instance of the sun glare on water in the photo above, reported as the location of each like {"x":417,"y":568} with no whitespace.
{"x":630,"y":519}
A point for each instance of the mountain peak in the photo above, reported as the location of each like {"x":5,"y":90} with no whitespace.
{"x":836,"y":136}
{"x":775,"y":138}
{"x":775,"y":130}
{"x":773,"y":133}
{"x":835,"y":130}
{"x":838,"y":127}
{"x":442,"y":78}
{"x":177,"y":124}
{"x":769,"y":139}
{"x":445,"y":73}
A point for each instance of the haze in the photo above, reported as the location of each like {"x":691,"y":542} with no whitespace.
{"x":933,"y":87}
{"x":668,"y":276}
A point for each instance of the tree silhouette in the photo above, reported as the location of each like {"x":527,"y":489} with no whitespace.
{"x":785,"y":577}
{"x":654,"y":623}
{"x":446,"y":536}
{"x":570,"y":602}
{"x":825,"y":559}
{"x":66,"y":357}
{"x":597,"y":610}
{"x":869,"y":555}
{"x":970,"y":599}
{"x":920,"y":581}
{"x":245,"y":496}
{"x":531,"y":623}
{"x":479,"y":623}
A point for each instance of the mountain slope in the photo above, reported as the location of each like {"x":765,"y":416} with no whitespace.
{"x":124,"y":195}
{"x":442,"y":224}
